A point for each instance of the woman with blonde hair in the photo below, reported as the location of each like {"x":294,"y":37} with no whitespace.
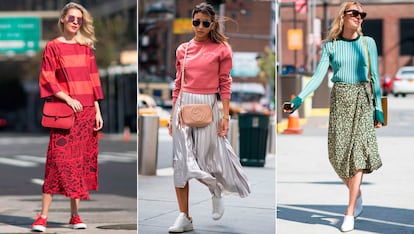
{"x":69,"y":74}
{"x":204,"y":64}
{"x":355,"y":103}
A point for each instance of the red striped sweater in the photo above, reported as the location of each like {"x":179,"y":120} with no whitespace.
{"x":79,"y":63}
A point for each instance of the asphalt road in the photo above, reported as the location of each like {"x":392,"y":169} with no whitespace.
{"x":22,"y":160}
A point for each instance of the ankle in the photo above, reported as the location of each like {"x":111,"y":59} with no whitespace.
{"x":43,"y":216}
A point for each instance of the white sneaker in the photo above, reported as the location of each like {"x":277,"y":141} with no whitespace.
{"x":181,"y":224}
{"x":218,"y":207}
{"x":348,"y":224}
{"x":358,"y":207}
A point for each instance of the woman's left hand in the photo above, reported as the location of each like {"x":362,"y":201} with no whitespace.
{"x":98,"y":122}
{"x":223,"y":127}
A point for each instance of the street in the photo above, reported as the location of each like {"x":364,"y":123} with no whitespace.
{"x":312,"y":199}
{"x":158,"y":206}
{"x":22,"y":161}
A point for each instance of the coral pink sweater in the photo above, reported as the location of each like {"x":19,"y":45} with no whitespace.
{"x":207,"y":68}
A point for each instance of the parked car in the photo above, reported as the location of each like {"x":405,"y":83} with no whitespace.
{"x":147,"y":105}
{"x":386,"y":85}
{"x":403,"y":83}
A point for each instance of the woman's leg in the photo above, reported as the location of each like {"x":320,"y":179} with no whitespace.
{"x":353,"y":184}
{"x":74,"y":206}
{"x":46,"y":201}
{"x":182,"y":198}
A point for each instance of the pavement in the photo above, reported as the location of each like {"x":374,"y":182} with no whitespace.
{"x":312,"y":199}
{"x":104,"y":213}
{"x":158,"y":208}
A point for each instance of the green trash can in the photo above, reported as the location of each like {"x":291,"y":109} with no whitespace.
{"x":253,"y":130}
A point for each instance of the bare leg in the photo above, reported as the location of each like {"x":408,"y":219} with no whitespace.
{"x":46,"y":201}
{"x":353,"y":184}
{"x":74,"y":206}
{"x":182,"y":198}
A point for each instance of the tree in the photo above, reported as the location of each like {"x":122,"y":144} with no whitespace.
{"x":266,"y":63}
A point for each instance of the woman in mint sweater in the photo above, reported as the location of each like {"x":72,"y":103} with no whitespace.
{"x":352,"y":143}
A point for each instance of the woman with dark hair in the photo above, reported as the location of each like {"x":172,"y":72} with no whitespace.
{"x":204,"y":153}
{"x":69,"y":74}
{"x":352,"y":142}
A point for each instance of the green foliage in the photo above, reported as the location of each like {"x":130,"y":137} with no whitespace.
{"x":266,"y":64}
{"x":111,"y":35}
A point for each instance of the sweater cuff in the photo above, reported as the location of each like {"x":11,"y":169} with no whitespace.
{"x":297,"y":101}
{"x":379,"y":116}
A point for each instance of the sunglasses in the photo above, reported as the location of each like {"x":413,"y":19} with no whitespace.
{"x":197,"y":22}
{"x":355,"y":13}
{"x":72,"y":19}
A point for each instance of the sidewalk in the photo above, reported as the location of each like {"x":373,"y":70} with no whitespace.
{"x":102,"y":214}
{"x":312,"y":199}
{"x":158,"y":207}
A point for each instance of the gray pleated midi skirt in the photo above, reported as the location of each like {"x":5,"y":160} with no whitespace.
{"x":352,"y":142}
{"x":201,"y":154}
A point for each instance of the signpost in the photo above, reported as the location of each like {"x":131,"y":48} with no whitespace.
{"x":19,"y":35}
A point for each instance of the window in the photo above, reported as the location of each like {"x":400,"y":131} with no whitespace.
{"x":373,"y":28}
{"x":406,"y":37}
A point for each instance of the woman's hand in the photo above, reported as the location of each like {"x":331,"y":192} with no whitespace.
{"x":170,"y":126}
{"x":223,"y":127}
{"x":378,"y":124}
{"x":98,"y":122}
{"x":74,"y":104}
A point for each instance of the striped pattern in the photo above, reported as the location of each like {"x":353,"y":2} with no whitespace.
{"x":349,"y":64}
{"x":80,"y":66}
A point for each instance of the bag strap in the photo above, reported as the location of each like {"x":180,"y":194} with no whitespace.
{"x":57,"y":55}
{"x":183,"y":71}
{"x":369,"y":65}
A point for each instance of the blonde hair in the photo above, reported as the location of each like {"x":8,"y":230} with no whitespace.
{"x":338,"y":24}
{"x":86,"y":33}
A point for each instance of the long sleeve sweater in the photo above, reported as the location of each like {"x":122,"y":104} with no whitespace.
{"x":78,"y":61}
{"x":349,"y":63}
{"x":206,"y":70}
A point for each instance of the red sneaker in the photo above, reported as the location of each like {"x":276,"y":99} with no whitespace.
{"x":76,"y":223}
{"x":40,"y":224}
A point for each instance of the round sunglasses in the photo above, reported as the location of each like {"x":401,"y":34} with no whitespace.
{"x":197,"y":22}
{"x":355,"y":13}
{"x":72,"y":19}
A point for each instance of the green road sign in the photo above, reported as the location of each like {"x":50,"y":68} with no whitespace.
{"x":19,"y":35}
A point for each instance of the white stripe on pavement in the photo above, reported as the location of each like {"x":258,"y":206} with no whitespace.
{"x":338,"y":214}
{"x":31,"y":158}
{"x":37,"y":181}
{"x":17,"y":163}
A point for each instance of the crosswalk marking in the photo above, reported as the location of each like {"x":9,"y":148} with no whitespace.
{"x":17,"y":163}
{"x":25,"y":161}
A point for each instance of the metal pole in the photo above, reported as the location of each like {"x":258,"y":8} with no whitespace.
{"x":147,"y":144}
{"x":294,"y":27}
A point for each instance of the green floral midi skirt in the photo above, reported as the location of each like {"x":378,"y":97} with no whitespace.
{"x":352,"y":142}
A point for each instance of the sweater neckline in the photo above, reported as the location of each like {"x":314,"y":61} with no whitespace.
{"x":350,"y":40}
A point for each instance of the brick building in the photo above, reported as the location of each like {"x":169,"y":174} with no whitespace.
{"x":249,"y":28}
{"x":390,"y":23}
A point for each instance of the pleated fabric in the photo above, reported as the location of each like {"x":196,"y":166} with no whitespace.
{"x":352,"y":142}
{"x":201,"y":154}
{"x":72,"y":158}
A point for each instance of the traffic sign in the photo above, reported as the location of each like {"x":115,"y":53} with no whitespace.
{"x":19,"y":35}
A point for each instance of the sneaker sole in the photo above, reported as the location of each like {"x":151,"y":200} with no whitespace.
{"x":186,"y":229}
{"x":38,"y":228}
{"x":78,"y":226}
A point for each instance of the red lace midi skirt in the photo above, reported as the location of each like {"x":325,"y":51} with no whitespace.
{"x":72,"y":158}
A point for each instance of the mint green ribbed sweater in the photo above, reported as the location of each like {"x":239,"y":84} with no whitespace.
{"x":349,"y":64}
